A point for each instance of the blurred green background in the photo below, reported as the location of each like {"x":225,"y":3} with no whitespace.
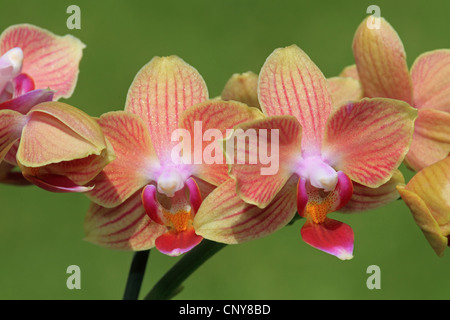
{"x":41,"y":233}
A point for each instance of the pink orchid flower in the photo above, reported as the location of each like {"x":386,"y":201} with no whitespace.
{"x":322,"y":152}
{"x":147,"y":197}
{"x":60,"y":148}
{"x":35,"y":66}
{"x":382,"y":69}
{"x":426,"y":194}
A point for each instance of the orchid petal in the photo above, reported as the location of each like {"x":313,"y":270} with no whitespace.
{"x":369,"y":139}
{"x":224,"y":217}
{"x":381,"y":61}
{"x":135,"y":159}
{"x":344,"y":90}
{"x":11,"y":125}
{"x":160,"y":92}
{"x":220,"y":116}
{"x":258,"y":182}
{"x":125,"y":227}
{"x":331,"y":236}
{"x":52,"y":61}
{"x":58,"y":132}
{"x":291,"y":84}
{"x":176,"y":243}
{"x":56,"y":183}
{"x":431,"y":139}
{"x":242,"y":87}
{"x":25,"y":102}
{"x":350,"y":72}
{"x":365,"y":198}
{"x":431,"y":80}
{"x":426,"y":194}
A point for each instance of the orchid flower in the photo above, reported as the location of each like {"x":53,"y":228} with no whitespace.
{"x":61,"y":148}
{"x":382,"y":69}
{"x":35,"y":66}
{"x":321,"y":153}
{"x":149,"y":196}
{"x":426,"y":194}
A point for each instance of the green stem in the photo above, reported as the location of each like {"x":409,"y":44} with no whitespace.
{"x":136,"y":275}
{"x":168,"y":285}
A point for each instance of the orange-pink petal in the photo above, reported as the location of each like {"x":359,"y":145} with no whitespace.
{"x":258,"y":181}
{"x":52,"y":61}
{"x":160,"y":92}
{"x":224,"y":217}
{"x":381,"y":62}
{"x":242,"y":87}
{"x":431,"y":139}
{"x":217,"y":118}
{"x":344,"y":90}
{"x":125,"y":227}
{"x":369,"y":139}
{"x":291,"y":84}
{"x":134,"y":163}
{"x":11,"y":125}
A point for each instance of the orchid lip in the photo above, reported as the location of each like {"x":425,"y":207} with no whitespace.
{"x":318,"y":172}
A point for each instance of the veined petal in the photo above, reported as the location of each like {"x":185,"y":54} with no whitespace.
{"x":55,"y":183}
{"x":291,"y":84}
{"x":160,"y":92}
{"x":331,"y":236}
{"x":11,"y":125}
{"x":58,"y":132}
{"x":25,"y":102}
{"x":350,"y":72}
{"x":431,"y":139}
{"x":224,"y":217}
{"x":381,"y":61}
{"x":242,"y":87}
{"x":52,"y":61}
{"x":207,"y":124}
{"x":259,"y":177}
{"x":344,"y":90}
{"x":365,"y":198}
{"x":431,"y":80}
{"x":176,"y":243}
{"x":135,"y":160}
{"x":426,"y":194}
{"x":125,"y":227}
{"x":369,"y":139}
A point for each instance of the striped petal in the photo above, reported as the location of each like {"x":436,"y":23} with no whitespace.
{"x":125,"y":227}
{"x":160,"y":92}
{"x":134,"y":163}
{"x":25,"y":102}
{"x":365,"y":198}
{"x":344,"y":90}
{"x":426,"y":194}
{"x":350,"y":72}
{"x":207,"y":123}
{"x":431,"y":80}
{"x":52,"y":61}
{"x":381,"y":61}
{"x":224,"y":217}
{"x":242,"y":87}
{"x":291,"y":84}
{"x":58,"y":132}
{"x":260,"y":177}
{"x":431,"y":139}
{"x":11,"y":125}
{"x":331,"y":236}
{"x":369,"y":139}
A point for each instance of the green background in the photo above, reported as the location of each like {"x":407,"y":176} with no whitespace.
{"x":41,"y":233}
